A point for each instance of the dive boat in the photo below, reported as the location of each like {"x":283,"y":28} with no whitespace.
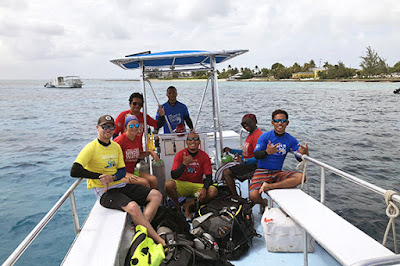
{"x":105,"y":236}
{"x":65,"y":82}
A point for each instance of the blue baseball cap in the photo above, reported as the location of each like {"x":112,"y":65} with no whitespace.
{"x":129,"y":119}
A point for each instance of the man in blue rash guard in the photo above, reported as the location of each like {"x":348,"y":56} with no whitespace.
{"x":101,"y":162}
{"x":271,"y":150}
{"x":176,"y":112}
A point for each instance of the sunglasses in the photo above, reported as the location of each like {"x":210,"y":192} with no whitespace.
{"x":134,"y":125}
{"x":245,"y":124}
{"x":105,"y":127}
{"x":280,"y":120}
{"x":196,"y":139}
{"x":137,"y":103}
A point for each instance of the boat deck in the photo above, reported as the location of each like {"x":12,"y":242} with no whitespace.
{"x":258,"y":253}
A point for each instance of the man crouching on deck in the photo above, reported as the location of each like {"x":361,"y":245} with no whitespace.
{"x":101,"y":162}
{"x":271,"y":150}
{"x":189,"y":166}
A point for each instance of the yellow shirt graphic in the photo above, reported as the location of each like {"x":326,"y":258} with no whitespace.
{"x":97,"y":158}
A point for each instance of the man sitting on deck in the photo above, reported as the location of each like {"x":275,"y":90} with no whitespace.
{"x":271,"y":150}
{"x":187,"y":172}
{"x":248,"y":165}
{"x":101,"y":162}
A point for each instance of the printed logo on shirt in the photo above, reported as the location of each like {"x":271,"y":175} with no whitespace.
{"x":281,"y":149}
{"x":110,"y":163}
{"x":245,"y":148}
{"x":108,"y":156}
{"x":132,"y":154}
{"x":175,"y":118}
{"x":141,"y":129}
{"x":191,"y":168}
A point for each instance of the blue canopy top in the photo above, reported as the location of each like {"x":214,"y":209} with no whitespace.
{"x":175,"y":59}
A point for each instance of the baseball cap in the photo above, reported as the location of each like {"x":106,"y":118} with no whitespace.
{"x":129,"y":119}
{"x":105,"y":119}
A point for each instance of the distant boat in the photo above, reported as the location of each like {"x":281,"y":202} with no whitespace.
{"x":65,"y":82}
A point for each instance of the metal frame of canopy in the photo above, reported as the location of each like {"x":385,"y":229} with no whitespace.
{"x":174,"y":61}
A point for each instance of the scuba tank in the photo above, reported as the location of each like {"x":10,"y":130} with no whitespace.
{"x":159,"y":172}
{"x":143,"y":166}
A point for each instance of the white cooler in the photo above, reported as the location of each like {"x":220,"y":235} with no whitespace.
{"x":282,"y":234}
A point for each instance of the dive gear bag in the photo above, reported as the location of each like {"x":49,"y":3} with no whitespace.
{"x":231,"y":225}
{"x":143,"y":250}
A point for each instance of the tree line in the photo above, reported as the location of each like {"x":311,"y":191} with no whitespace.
{"x":372,"y":65}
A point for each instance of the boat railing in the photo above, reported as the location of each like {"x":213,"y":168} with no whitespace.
{"x":70,"y":194}
{"x":356,"y":180}
{"x":242,"y":135}
{"x":39,"y":227}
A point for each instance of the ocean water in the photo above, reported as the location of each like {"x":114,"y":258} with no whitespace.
{"x":352,"y":126}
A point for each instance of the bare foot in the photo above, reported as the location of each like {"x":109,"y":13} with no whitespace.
{"x":265,"y":202}
{"x":186,"y":207}
{"x":265,"y":187}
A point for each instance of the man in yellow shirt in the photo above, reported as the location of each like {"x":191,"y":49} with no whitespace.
{"x":101,"y":162}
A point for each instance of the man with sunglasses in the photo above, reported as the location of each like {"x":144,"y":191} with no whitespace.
{"x":271,"y":150}
{"x":175,"y":111}
{"x":245,"y":168}
{"x":136,"y":103}
{"x":101,"y":162}
{"x":188,"y":169}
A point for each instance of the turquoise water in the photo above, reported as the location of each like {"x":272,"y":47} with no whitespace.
{"x":352,"y":126}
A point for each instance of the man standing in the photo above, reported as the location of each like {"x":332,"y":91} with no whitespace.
{"x":187,"y":172}
{"x":101,"y":162}
{"x":271,"y":150}
{"x":176,"y":112}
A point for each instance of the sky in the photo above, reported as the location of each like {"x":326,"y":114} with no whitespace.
{"x":42,"y":39}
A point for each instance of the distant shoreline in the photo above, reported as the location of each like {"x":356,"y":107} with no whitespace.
{"x":271,"y":80}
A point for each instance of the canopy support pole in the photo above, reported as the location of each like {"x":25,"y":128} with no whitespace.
{"x":216,"y":113}
{"x":142,"y":82}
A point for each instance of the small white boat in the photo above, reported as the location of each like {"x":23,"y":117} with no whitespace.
{"x":65,"y":82}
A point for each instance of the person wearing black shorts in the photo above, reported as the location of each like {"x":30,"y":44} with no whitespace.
{"x":101,"y":162}
{"x":248,"y":163}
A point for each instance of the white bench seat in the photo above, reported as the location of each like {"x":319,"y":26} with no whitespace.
{"x":345,"y":242}
{"x":99,"y":240}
